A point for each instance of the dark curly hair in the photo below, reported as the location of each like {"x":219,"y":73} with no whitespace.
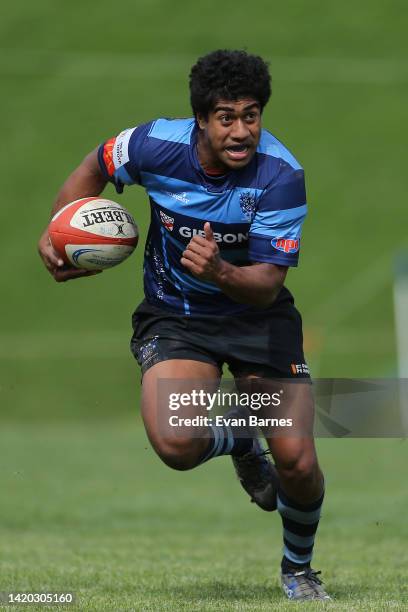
{"x":230,"y":75}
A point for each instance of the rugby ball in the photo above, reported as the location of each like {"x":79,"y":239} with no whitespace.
{"x":93,"y":233}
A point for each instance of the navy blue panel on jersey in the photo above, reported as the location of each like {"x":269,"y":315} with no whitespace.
{"x":256,"y":213}
{"x":288,"y":191}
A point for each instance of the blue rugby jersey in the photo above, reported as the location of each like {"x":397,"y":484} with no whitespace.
{"x":256,"y":213}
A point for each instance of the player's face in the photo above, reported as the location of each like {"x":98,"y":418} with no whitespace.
{"x":229,"y":136}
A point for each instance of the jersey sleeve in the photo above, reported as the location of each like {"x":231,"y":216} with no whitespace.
{"x":121,"y":157}
{"x":274,"y":235}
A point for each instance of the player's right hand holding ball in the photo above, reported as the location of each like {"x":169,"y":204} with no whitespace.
{"x":55,"y":265}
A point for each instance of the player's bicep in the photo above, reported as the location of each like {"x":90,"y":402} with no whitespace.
{"x":275,"y":231}
{"x":121,"y":157}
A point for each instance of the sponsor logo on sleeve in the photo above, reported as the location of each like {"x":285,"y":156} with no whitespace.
{"x":287,"y":245}
{"x":120,"y":151}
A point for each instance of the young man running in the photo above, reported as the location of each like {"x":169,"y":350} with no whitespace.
{"x":227,"y":204}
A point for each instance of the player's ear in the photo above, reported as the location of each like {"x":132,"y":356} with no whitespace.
{"x":201,"y":121}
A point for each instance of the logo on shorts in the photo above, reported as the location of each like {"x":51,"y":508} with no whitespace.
{"x":287,"y":245}
{"x":299,"y":368}
{"x":167,"y":221}
{"x":247,"y":203}
{"x":148,"y":351}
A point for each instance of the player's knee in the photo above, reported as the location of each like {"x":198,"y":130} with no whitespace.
{"x":177,"y":453}
{"x":299,"y":469}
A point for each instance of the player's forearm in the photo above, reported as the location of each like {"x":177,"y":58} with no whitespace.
{"x":257,"y":285}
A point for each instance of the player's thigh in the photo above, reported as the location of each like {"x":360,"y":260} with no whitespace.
{"x":287,"y":418}
{"x":173,"y":391}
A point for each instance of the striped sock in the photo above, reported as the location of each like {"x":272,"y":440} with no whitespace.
{"x":226,"y":440}
{"x":300,"y":522}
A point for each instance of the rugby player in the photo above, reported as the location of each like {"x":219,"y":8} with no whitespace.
{"x":227,"y":204}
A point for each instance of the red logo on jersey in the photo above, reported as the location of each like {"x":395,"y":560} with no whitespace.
{"x":287,"y":245}
{"x":167,"y":221}
{"x":108,"y":156}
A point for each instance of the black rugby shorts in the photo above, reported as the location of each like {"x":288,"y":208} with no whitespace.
{"x":263,"y":342}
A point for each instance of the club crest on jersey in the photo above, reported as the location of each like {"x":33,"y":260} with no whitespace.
{"x":287,"y":245}
{"x":167,"y":221}
{"x":247,"y":203}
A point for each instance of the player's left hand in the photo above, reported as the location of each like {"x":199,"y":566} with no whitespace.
{"x":202,"y":256}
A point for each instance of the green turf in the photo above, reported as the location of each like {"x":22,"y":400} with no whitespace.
{"x":83,"y":504}
{"x":89,"y":507}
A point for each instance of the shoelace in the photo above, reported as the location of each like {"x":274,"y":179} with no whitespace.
{"x":249,"y":461}
{"x":263,"y":453}
{"x":250,"y":457}
{"x":309,"y":574}
{"x":312,"y":575}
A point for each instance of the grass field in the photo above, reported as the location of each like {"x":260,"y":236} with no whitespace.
{"x":85,"y":506}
